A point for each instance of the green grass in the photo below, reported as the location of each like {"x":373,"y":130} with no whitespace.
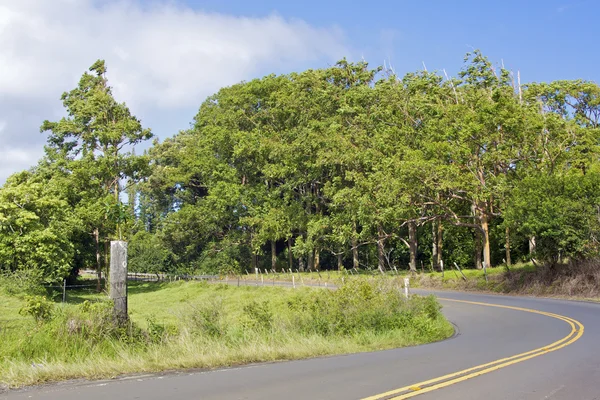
{"x":198,"y":325}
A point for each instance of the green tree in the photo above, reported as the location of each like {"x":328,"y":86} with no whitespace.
{"x":36,"y":226}
{"x":93,"y":143}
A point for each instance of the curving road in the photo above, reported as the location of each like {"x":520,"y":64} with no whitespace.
{"x":497,"y":353}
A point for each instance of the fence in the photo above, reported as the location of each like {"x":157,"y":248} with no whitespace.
{"x":147,"y":277}
{"x":61,"y":290}
{"x":258,"y":278}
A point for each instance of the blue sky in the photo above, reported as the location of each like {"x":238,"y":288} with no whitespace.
{"x":164,"y":57}
{"x":545,"y":40}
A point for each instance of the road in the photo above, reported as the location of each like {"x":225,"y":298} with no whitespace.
{"x":556,"y":359}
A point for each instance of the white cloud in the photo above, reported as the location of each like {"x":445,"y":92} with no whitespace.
{"x":160,"y":57}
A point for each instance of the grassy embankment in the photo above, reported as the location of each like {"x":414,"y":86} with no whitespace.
{"x":198,"y":325}
{"x":576,"y":280}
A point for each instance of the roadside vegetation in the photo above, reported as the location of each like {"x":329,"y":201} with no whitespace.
{"x":347,"y":168}
{"x":199,"y":325}
{"x":581,"y":281}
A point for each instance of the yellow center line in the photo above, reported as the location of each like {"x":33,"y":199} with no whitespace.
{"x":416,"y":389}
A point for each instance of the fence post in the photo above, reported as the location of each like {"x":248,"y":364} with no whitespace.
{"x":406,"y":284}
{"x":64,"y":290}
{"x":118,"y":278}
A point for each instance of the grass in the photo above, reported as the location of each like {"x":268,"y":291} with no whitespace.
{"x":183,"y":325}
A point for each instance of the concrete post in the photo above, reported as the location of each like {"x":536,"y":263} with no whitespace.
{"x":118,"y":278}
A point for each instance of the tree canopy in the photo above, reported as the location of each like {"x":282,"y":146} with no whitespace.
{"x":341,"y":167}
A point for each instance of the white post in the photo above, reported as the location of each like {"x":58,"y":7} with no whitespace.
{"x":293,"y":282}
{"x":406,"y":284}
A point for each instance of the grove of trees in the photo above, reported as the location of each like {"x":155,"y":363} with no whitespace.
{"x":342,"y":167}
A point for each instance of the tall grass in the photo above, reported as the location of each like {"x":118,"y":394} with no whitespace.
{"x":198,"y":325}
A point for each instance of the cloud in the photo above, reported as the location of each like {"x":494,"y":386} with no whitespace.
{"x":164,"y":57}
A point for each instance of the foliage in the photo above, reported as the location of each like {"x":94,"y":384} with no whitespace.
{"x":22,"y":282}
{"x":35,"y":228}
{"x":341,"y":167}
{"x":560,"y":211}
{"x":146,"y":253}
{"x":39,"y":307}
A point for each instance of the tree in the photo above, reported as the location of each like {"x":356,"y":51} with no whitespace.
{"x":36,"y":228}
{"x":93,"y":144}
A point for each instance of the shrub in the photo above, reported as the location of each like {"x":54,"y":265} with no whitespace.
{"x":158,"y":332}
{"x":208,"y":318}
{"x":258,"y":316}
{"x":361,"y":306}
{"x":28,"y":281}
{"x":39,"y":307}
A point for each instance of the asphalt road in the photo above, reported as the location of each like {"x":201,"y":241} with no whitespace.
{"x":557,"y":360}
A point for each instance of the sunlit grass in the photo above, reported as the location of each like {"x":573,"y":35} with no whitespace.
{"x":198,"y":325}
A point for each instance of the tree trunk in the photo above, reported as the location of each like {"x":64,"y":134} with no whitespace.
{"x":311,"y":260}
{"x":440,"y":243}
{"x":380,"y":250}
{"x":355,"y":262}
{"x":254,"y":261}
{"x":317,"y":259}
{"x":98,"y":260}
{"x":436,"y":251}
{"x":340,"y":260}
{"x":478,"y":249}
{"x":532,"y":245}
{"x":301,"y":264}
{"x":434,"y":248}
{"x":273,"y":255}
{"x":290,"y":259}
{"x":106,"y":260}
{"x":507,"y":246}
{"x":412,"y":243}
{"x":487,"y":259}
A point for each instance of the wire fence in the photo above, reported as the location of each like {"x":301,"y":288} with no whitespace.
{"x":63,"y":290}
{"x":149,"y":277}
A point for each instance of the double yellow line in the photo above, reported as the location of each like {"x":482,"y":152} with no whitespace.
{"x":460,"y":376}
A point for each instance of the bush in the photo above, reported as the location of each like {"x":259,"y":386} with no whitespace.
{"x":208,"y":319}
{"x":361,"y":306}
{"x":39,"y":307}
{"x":158,"y":332}
{"x":258,"y":316}
{"x":29,"y":281}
